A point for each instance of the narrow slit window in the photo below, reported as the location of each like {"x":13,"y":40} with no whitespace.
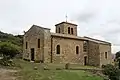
{"x":77,"y":49}
{"x":26,"y":45}
{"x":58,"y":49}
{"x":106,"y":55}
{"x":68,"y":30}
{"x":59,"y":30}
{"x":71,"y":30}
{"x":38,"y":43}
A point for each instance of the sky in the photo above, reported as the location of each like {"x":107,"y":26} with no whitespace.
{"x":98,"y":19}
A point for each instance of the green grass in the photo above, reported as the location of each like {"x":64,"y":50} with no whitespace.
{"x":27,"y":72}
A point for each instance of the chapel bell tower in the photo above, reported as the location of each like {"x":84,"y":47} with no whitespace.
{"x":66,"y":28}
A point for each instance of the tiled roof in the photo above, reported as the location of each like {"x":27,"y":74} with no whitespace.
{"x":39,"y":27}
{"x":66,"y":36}
{"x":66,"y":23}
{"x":80,"y":38}
{"x":96,"y":40}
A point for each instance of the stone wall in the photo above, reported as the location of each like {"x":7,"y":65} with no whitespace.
{"x":64,"y":28}
{"x":71,"y":26}
{"x":93,"y":54}
{"x":67,"y":50}
{"x":61,"y":28}
{"x":31,"y":37}
{"x":47,"y":46}
{"x":105,"y":48}
{"x":96,"y":54}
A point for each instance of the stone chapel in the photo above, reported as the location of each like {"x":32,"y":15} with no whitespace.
{"x":64,"y":46}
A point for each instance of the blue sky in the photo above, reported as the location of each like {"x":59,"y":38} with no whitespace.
{"x":99,"y":19}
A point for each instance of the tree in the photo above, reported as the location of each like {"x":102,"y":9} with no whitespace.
{"x":117,"y":58}
{"x":10,"y":45}
{"x":15,"y":39}
{"x":117,"y":55}
{"x":111,"y":71}
{"x":8,"y":49}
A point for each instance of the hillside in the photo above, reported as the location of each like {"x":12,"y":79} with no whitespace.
{"x":15,"y":39}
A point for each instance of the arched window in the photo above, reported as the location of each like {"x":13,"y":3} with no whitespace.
{"x":77,"y":49}
{"x":68,"y":30}
{"x":58,"y":49}
{"x":105,"y":55}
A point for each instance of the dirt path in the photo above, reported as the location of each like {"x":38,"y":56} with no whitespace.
{"x":5,"y":74}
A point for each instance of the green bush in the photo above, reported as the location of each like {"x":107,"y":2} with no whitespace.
{"x":111,"y":71}
{"x":8,"y":49}
{"x":6,"y":62}
{"x":8,"y":52}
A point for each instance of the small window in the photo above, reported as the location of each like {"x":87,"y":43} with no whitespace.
{"x":58,"y":49}
{"x":105,"y":55}
{"x":68,"y":30}
{"x":59,"y":30}
{"x":77,"y":49}
{"x":71,"y":30}
{"x":26,"y":45}
{"x":38,"y":43}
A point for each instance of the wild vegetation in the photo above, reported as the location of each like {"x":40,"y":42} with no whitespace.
{"x":10,"y":46}
{"x":15,"y":39}
{"x":8,"y":51}
{"x":117,"y":55}
{"x":111,"y":71}
{"x":36,"y":71}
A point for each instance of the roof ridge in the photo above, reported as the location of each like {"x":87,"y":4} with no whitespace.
{"x":40,"y":27}
{"x":96,"y":39}
{"x":66,"y":23}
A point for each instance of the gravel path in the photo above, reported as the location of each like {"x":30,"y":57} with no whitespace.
{"x":5,"y":74}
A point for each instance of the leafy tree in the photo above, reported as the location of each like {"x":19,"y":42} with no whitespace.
{"x":117,"y":55}
{"x":111,"y":71}
{"x":8,"y":49}
{"x":117,"y":58}
{"x":10,"y":45}
{"x":15,"y":39}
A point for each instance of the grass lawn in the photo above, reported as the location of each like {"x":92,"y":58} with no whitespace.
{"x":27,"y":72}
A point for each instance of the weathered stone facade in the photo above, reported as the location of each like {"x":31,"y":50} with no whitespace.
{"x":71,"y":47}
{"x":93,"y":54}
{"x":63,"y":26}
{"x":103,"y":48}
{"x":67,"y":50}
{"x":31,"y":38}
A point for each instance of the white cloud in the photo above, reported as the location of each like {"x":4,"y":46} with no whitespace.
{"x":97,"y":18}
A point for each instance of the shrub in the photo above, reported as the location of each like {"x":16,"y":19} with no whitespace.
{"x":6,"y":62}
{"x":9,"y":50}
{"x":111,"y":71}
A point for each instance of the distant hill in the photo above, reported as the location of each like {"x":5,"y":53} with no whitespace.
{"x":15,"y":39}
